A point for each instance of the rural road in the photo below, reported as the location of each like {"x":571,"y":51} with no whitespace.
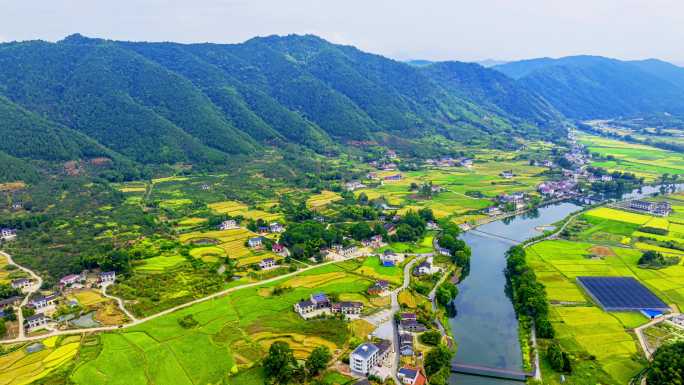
{"x":394,"y":309}
{"x":639,"y":331}
{"x":35,"y":287}
{"x":138,"y":321}
{"x":119,"y":301}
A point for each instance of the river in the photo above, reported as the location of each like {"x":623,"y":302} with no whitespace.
{"x":485,"y":327}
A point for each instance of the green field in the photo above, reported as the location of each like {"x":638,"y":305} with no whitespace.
{"x":483,"y":178}
{"x":234,"y":330}
{"x":372,"y":267}
{"x":602,"y":243}
{"x":645,"y":161}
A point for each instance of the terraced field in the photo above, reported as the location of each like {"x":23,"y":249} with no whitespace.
{"x":235,"y":208}
{"x":232,"y":333}
{"x":21,"y":367}
{"x":229,"y":243}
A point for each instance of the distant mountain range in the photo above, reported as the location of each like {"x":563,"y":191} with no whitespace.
{"x":207,"y":104}
{"x":158,"y":103}
{"x":583,"y":87}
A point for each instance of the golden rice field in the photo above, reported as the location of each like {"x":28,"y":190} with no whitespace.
{"x":619,"y":215}
{"x":20,"y":367}
{"x":88,"y":297}
{"x":322,"y":199}
{"x":231,"y":243}
{"x":235,"y":208}
{"x":192,"y":221}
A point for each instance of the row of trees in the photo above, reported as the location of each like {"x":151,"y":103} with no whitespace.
{"x":527,"y":294}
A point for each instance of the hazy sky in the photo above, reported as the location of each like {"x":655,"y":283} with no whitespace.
{"x":402,"y":29}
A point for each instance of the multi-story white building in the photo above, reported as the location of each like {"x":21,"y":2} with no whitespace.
{"x":363,"y":358}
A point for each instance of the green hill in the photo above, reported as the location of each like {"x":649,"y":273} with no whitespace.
{"x":586,"y":87}
{"x":164,"y":103}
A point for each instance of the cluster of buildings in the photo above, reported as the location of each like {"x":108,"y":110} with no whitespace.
{"x":273,"y":227}
{"x":22,"y":284}
{"x":393,"y":177}
{"x":375,"y":241}
{"x":661,"y":209}
{"x":447,"y":161}
{"x":517,"y":199}
{"x":319,"y":304}
{"x":558,"y":189}
{"x":337,"y":251}
{"x":78,"y":281}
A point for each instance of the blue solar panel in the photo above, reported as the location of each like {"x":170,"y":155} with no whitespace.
{"x":621,"y":293}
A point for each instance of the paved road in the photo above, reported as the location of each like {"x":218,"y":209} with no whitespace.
{"x":394,"y":309}
{"x":432,"y":296}
{"x":34,"y":288}
{"x":167,"y":311}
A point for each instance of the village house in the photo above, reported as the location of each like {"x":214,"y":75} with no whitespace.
{"x":442,"y":250}
{"x":267,"y":263}
{"x":423,"y":268}
{"x":372,"y":175}
{"x":41,"y":303}
{"x":389,"y":258}
{"x":21,"y":283}
{"x":255,"y":242}
{"x":436,"y":189}
{"x":431,"y":225}
{"x":410,"y":376}
{"x":548,"y":163}
{"x":466,"y":162}
{"x":390,"y":228}
{"x":9,"y":302}
{"x":507,"y":174}
{"x":72,"y":280}
{"x":107,"y":278}
{"x":406,"y":344}
{"x":408,"y":322}
{"x":17,"y":206}
{"x":263,"y":230}
{"x":229,"y":225}
{"x":281,"y":250}
{"x":379,"y":288}
{"x":36,"y":321}
{"x":344,"y":251}
{"x":354,"y":185}
{"x":276,"y":227}
{"x":368,"y":356}
{"x":394,"y":177}
{"x":374,"y":241}
{"x":7,"y":234}
{"x":347,"y":308}
{"x":391,"y":154}
{"x":205,"y":187}
{"x":388,"y":167}
{"x":317,"y":304}
{"x":493,"y":211}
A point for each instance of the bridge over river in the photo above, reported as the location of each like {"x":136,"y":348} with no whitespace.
{"x":485,"y":371}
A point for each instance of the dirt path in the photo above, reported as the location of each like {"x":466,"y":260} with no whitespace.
{"x":34,"y":288}
{"x":119,"y":301}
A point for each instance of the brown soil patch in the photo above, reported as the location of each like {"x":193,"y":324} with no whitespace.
{"x":602,"y":251}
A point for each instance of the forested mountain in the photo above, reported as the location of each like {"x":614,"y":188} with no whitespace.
{"x":161,"y":103}
{"x":585,"y":87}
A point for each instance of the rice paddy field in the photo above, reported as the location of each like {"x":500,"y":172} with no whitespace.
{"x":322,"y":199}
{"x":235,"y":208}
{"x":22,"y":367}
{"x":232,"y":333}
{"x":603,"y":244}
{"x":220,"y":243}
{"x":373,"y":268}
{"x":645,"y":161}
{"x":483,"y":178}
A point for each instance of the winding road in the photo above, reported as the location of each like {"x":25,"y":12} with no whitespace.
{"x":137,"y":321}
{"x":34,"y":288}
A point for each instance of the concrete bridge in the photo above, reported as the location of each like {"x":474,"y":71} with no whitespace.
{"x":485,"y":371}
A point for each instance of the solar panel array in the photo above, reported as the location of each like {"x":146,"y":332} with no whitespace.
{"x":621,"y":293}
